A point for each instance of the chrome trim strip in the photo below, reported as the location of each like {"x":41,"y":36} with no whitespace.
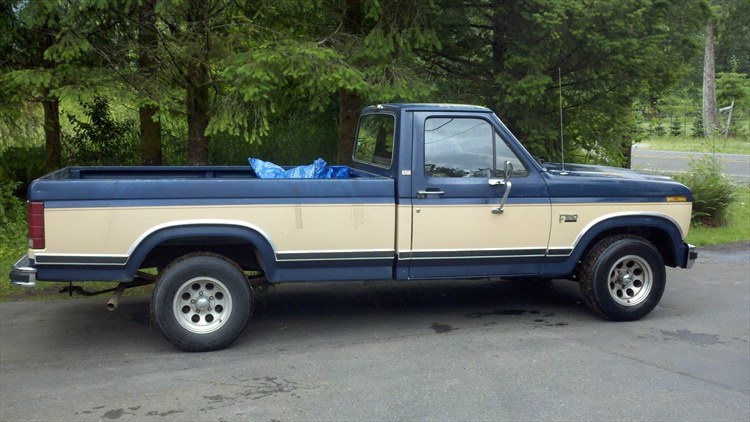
{"x":561,"y":252}
{"x":334,"y":255}
{"x":117,"y":260}
{"x":472,"y":254}
{"x":65,"y":259}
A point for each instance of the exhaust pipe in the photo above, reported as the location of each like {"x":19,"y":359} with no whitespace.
{"x":114,"y":301}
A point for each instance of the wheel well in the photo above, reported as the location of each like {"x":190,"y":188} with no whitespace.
{"x":656,"y":236}
{"x":240,"y":251}
{"x":248,"y":248}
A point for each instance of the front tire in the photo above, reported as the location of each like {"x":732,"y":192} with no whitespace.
{"x":622,"y":278}
{"x":201,"y":302}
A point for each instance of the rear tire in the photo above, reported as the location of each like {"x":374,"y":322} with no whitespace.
{"x":201,"y":302}
{"x":622,"y":278}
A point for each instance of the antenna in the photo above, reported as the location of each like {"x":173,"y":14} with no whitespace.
{"x":562,"y":139}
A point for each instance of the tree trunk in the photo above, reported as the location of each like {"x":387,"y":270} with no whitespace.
{"x":197,"y":103}
{"x":499,"y":48}
{"x":626,"y":147}
{"x":150,"y":136}
{"x":52,"y":138}
{"x":147,"y":43}
{"x":350,"y":104}
{"x":197,"y":84}
{"x":51,"y":104}
{"x":710,"y":116}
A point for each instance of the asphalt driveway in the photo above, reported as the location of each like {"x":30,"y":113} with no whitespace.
{"x":475,"y":350}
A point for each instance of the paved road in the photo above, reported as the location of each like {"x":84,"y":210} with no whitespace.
{"x":736,"y":166}
{"x":475,"y":350}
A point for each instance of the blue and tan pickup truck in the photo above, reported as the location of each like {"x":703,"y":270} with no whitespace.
{"x":434,"y":192}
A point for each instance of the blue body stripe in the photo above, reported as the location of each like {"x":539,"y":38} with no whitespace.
{"x":344,"y":270}
{"x":486,"y":267}
{"x":607,"y":200}
{"x":337,"y":201}
{"x":216,"y":202}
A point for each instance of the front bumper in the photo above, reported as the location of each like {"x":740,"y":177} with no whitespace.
{"x":692,"y":256}
{"x":23,"y":273}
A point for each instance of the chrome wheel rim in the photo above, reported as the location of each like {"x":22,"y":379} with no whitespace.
{"x":202,"y":305}
{"x":630,"y":280}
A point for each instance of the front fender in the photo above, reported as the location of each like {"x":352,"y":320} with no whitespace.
{"x":660,"y":230}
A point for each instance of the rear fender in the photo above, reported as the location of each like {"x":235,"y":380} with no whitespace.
{"x":199,"y":230}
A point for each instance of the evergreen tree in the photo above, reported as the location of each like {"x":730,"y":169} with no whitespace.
{"x":675,"y":128}
{"x":378,"y":38}
{"x":697,"y":128}
{"x":31,"y":71}
{"x":507,"y":55}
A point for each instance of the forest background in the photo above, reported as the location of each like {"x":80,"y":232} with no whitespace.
{"x":187,"y":82}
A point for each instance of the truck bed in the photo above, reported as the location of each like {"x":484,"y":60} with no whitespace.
{"x":197,"y":183}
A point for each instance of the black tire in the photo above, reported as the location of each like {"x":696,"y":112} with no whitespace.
{"x":622,"y":278}
{"x":201,"y":302}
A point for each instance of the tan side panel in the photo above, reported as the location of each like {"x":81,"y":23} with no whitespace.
{"x":403,"y":233}
{"x":565,"y":234}
{"x":474,"y":227}
{"x":291,"y":228}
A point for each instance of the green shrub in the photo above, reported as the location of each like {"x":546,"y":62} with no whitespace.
{"x":12,"y":221}
{"x":98,"y":139}
{"x":22,"y":163}
{"x":713,"y":192}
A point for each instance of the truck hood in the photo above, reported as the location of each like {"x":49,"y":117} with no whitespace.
{"x":583,"y":180}
{"x":603,"y":171}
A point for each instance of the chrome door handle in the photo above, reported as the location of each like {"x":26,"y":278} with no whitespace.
{"x":421,"y":194}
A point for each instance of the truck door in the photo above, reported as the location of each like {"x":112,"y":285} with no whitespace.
{"x":460,"y":225}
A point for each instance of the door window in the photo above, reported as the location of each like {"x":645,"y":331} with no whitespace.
{"x":466,"y":147}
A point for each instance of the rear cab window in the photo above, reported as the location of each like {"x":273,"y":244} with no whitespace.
{"x":374,"y":143}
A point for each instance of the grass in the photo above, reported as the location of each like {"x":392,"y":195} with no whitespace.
{"x":737,"y":230}
{"x":689,"y":144}
{"x":49,"y":291}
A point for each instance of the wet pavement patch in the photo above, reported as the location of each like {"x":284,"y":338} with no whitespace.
{"x":501,"y":312}
{"x":698,"y":339}
{"x":442,"y":328}
{"x":114,"y":414}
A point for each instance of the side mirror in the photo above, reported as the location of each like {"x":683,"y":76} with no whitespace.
{"x":507,"y":172}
